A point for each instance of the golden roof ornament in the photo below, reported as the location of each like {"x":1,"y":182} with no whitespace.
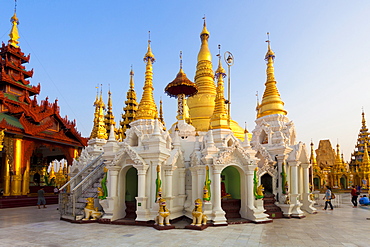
{"x":99,"y":131}
{"x":109,"y":117}
{"x":201,"y":105}
{"x":180,"y":88}
{"x":204,"y":53}
{"x":147,"y":108}
{"x":220,"y":119}
{"x":14,"y":35}
{"x":130,"y":108}
{"x":271,"y":102}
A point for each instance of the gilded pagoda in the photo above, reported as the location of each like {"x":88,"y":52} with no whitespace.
{"x":329,"y":168}
{"x":32,"y":134}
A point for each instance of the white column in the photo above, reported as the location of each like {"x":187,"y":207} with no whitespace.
{"x":141,"y":182}
{"x":250,"y":197}
{"x":113,"y":177}
{"x":168,"y":173}
{"x":194,"y":186}
{"x":182,"y":181}
{"x":201,"y":179}
{"x":306,"y":196}
{"x":296,"y":211}
{"x":217,"y":213}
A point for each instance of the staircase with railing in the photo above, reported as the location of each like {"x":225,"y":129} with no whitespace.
{"x":83,"y":185}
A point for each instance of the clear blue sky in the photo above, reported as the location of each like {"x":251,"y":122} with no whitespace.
{"x":322,"y":55}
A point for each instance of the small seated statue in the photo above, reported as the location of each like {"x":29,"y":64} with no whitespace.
{"x":199,"y":218}
{"x":260,"y":190}
{"x":163,"y":214}
{"x":90,"y":211}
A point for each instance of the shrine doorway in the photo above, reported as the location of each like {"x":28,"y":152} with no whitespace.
{"x":316,"y":183}
{"x":266,"y":181}
{"x":131,"y":190}
{"x":230,"y":192}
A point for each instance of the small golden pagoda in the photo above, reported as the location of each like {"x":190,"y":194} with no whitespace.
{"x":271,"y":101}
{"x":130,"y":108}
{"x":99,"y":130}
{"x":109,"y":117}
{"x":147,"y":108}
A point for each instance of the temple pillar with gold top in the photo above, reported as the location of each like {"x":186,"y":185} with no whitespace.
{"x":16,"y":181}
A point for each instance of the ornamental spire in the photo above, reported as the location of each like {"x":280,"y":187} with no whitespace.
{"x":201,"y":105}
{"x":109,"y":117}
{"x":219,"y":119}
{"x":130,"y":108}
{"x":312,"y":158}
{"x":14,"y":35}
{"x":147,"y":108}
{"x":99,"y":131}
{"x":204,"y":53}
{"x":271,"y":101}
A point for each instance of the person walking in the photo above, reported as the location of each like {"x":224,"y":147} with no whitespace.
{"x":354,"y":195}
{"x":327,"y":197}
{"x":41,"y":197}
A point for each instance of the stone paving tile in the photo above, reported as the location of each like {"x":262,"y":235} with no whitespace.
{"x":344,"y":226}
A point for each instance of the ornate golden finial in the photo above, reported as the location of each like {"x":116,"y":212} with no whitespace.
{"x":245,"y":128}
{"x":130,"y":108}
{"x":219,"y":119}
{"x":147,"y":108}
{"x":14,"y":35}
{"x":99,"y":131}
{"x":204,"y":53}
{"x":109,"y":117}
{"x":271,"y":101}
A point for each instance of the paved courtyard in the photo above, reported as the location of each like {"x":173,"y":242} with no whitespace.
{"x":344,"y":226}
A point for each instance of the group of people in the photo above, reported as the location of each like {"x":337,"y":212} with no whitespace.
{"x":364,"y":200}
{"x":329,"y":195}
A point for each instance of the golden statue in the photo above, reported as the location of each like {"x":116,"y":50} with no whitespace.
{"x":199,"y":218}
{"x":260,"y":190}
{"x":163,"y":214}
{"x":91,"y":211}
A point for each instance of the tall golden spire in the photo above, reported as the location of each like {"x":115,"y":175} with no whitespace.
{"x":202,"y":104}
{"x":147,"y":108}
{"x":99,"y":131}
{"x":130,"y":108}
{"x":219,"y":119}
{"x":109,"y":117}
{"x":271,"y":101}
{"x":14,"y":35}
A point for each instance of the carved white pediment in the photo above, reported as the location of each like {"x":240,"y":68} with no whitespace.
{"x":127,"y":149}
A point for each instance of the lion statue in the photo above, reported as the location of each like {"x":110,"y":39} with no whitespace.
{"x":163,"y":214}
{"x":198,"y":217}
{"x":90,"y":211}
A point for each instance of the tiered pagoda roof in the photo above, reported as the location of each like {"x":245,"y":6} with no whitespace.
{"x":362,"y":140}
{"x":21,"y":114}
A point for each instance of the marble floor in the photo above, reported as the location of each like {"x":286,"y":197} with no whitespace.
{"x":344,"y":226}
